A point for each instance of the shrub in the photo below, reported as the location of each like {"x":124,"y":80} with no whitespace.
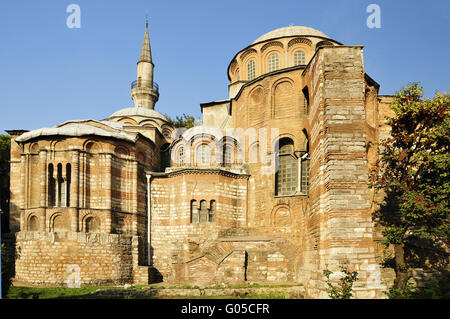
{"x":344,"y":289}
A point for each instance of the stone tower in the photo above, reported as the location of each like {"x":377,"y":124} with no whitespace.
{"x":144,"y":91}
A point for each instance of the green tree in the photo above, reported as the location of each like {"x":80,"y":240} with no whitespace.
{"x":185,"y":121}
{"x":5,"y":146}
{"x":415,"y":167}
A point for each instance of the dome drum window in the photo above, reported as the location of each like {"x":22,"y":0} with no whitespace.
{"x":181,"y":156}
{"x":273,"y":63}
{"x":203,"y":154}
{"x":251,"y":72}
{"x":299,"y":57}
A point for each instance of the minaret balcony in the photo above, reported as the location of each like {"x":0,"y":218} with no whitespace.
{"x":145,"y":85}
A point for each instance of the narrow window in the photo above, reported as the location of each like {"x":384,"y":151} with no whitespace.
{"x":305,"y":100}
{"x":228,"y":153}
{"x":165,"y":155}
{"x":286,"y":174}
{"x":305,"y":165}
{"x":299,"y":58}
{"x":305,"y":173}
{"x":251,"y":70}
{"x":273,"y":63}
{"x":59,"y":187}
{"x":194,"y":211}
{"x":238,"y":75}
{"x":212,"y":211}
{"x":203,"y":212}
{"x":51,"y":187}
{"x":68,"y":179}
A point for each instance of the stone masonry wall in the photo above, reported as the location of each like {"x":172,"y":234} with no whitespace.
{"x":173,"y":233}
{"x":340,"y":197}
{"x":52,"y":259}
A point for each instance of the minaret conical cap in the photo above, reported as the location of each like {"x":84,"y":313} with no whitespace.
{"x":146,"y":52}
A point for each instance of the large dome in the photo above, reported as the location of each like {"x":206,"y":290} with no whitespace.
{"x":291,"y":31}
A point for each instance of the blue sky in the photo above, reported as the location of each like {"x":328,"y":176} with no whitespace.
{"x":50,"y":73}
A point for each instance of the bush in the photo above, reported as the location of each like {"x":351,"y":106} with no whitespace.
{"x":439,"y":288}
{"x":344,"y":289}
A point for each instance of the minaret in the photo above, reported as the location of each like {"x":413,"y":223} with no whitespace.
{"x":144,"y":91}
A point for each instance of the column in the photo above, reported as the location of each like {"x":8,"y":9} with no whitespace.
{"x":108,"y":181}
{"x":74,"y":190}
{"x":82,"y":181}
{"x":43,"y":178}
{"x":134,"y":187}
{"x":107,"y":174}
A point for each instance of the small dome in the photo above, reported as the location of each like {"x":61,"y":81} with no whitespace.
{"x":139,"y":111}
{"x":291,"y":31}
{"x":79,"y":128}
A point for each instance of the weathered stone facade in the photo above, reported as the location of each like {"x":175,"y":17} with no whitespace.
{"x":271,"y":188}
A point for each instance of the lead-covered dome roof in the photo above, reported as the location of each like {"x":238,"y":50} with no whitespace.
{"x":138,"y":111}
{"x":290,"y":32}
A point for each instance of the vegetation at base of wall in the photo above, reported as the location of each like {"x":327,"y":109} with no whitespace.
{"x":343,"y":290}
{"x":5,"y":146}
{"x":52,"y":292}
{"x":6,"y":271}
{"x":414,"y":175}
{"x":438,"y":288}
{"x":145,"y":292}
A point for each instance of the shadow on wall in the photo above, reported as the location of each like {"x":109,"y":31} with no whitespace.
{"x":8,"y":255}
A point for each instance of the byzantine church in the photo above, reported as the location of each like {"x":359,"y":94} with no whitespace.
{"x":271,"y":187}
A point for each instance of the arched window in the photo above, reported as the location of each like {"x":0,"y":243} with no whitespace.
{"x":299,"y":58}
{"x":272,"y":62}
{"x":286,"y":174}
{"x":203,"y":154}
{"x":212,"y":211}
{"x":194,"y":211}
{"x":251,"y":72}
{"x":238,"y":75}
{"x":68,"y":180}
{"x":51,"y":187}
{"x":203,"y":212}
{"x":60,"y":189}
{"x":228,"y":154}
{"x":181,"y":156}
